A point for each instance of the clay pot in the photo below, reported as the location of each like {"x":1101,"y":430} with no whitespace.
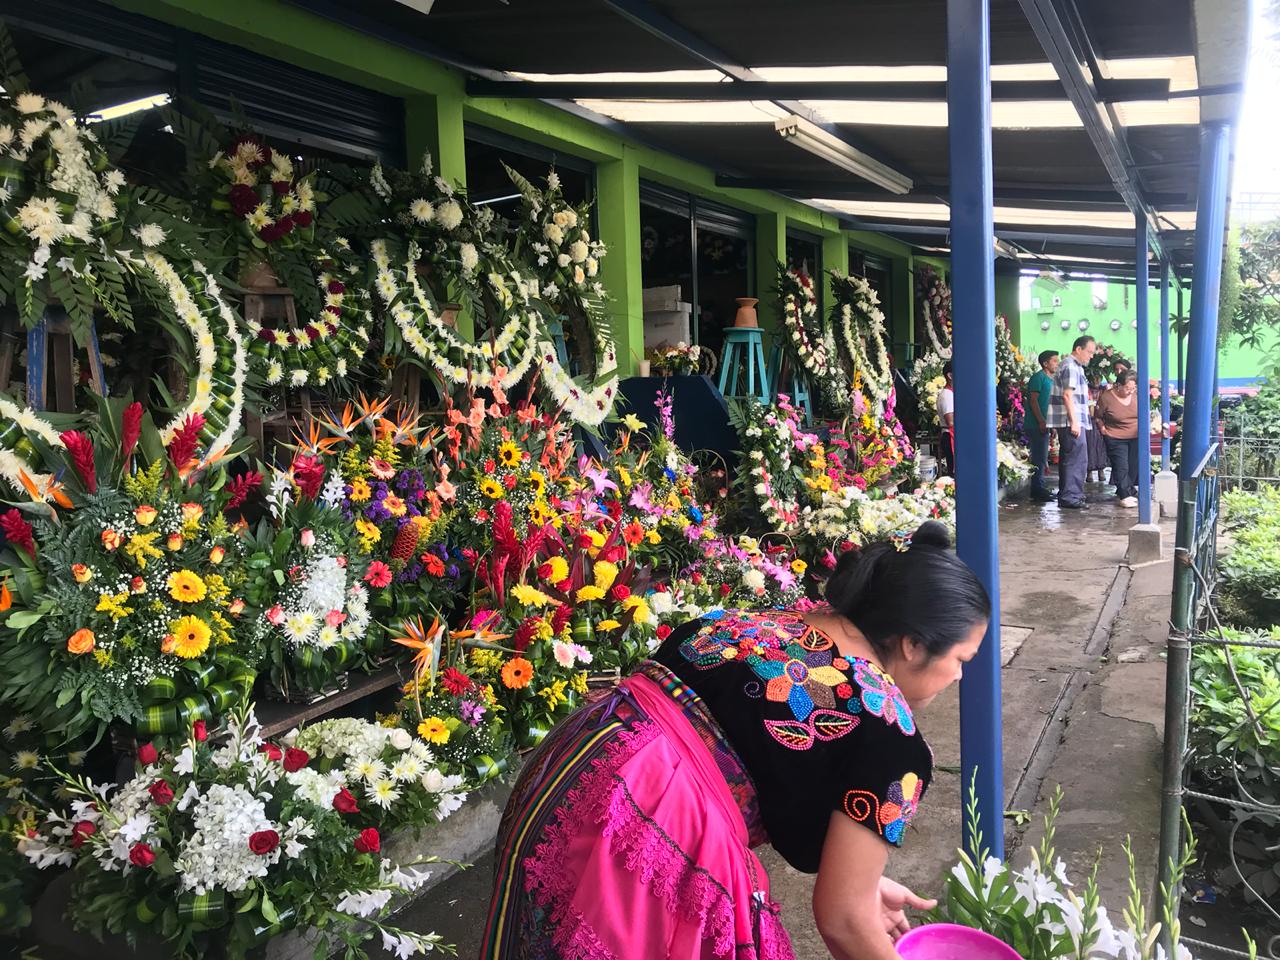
{"x":449,"y":314}
{"x":746,"y":315}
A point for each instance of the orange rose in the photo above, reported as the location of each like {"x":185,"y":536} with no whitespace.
{"x":236,"y":608}
{"x":81,"y":641}
{"x":82,"y":573}
{"x":111,"y":540}
{"x":168,"y":644}
{"x":216,"y":555}
{"x":145,"y":515}
{"x":137,"y":585}
{"x":192,"y":512}
{"x":175,"y":542}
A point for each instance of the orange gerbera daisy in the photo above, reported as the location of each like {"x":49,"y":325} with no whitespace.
{"x":517,"y":673}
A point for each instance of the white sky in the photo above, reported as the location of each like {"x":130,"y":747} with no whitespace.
{"x":1257,"y":168}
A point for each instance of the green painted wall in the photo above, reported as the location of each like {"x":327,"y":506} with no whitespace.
{"x":1077,"y":304}
{"x":436,"y":109}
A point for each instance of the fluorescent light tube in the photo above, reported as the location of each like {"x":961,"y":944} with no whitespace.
{"x":811,"y":137}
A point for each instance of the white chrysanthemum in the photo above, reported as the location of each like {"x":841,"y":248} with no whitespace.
{"x":449,"y":214}
{"x":753,"y":580}
{"x":469,"y":256}
{"x":422,"y":211}
{"x":275,"y":372}
{"x":113,"y":181}
{"x":553,"y":233}
{"x":150,"y":234}
{"x":366,"y":768}
{"x":327,"y":638}
{"x":6,"y":135}
{"x":593,"y":266}
{"x":563,"y":260}
{"x":19,"y":724}
{"x":298,"y":378}
{"x":300,"y":626}
{"x":26,"y":760}
{"x":405,"y":769}
{"x":578,"y":251}
{"x":29,"y":103}
{"x":382,"y":793}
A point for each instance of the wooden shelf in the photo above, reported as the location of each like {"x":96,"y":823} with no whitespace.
{"x":277,"y":718}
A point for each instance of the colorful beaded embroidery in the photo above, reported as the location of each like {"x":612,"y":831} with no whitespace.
{"x":891,"y":817}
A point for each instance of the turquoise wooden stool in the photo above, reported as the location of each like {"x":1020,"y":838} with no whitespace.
{"x":781,"y":375}
{"x":744,"y":345}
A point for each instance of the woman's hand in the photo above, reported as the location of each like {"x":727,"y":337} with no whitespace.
{"x":894,"y":899}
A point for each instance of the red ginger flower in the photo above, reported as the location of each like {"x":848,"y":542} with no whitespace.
{"x":130,"y":430}
{"x":80,"y":450}
{"x":523,"y":636}
{"x":560,"y":619}
{"x":308,"y":474}
{"x":186,"y":441}
{"x":18,"y":532}
{"x":405,"y":545}
{"x":241,"y":486}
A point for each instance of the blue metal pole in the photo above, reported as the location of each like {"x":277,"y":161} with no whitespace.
{"x":1164,"y":364}
{"x":1202,"y":339}
{"x":1142,"y":292}
{"x":973,"y":317}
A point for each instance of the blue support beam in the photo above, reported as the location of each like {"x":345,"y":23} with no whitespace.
{"x":1202,"y":339}
{"x":1164,"y":364}
{"x":1142,"y":291}
{"x":973,"y":294}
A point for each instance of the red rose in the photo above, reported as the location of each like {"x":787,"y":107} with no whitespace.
{"x":263,"y":842}
{"x":295,"y":760}
{"x":620,"y":592}
{"x":696,"y":578}
{"x":142,"y":855}
{"x":615,"y":554}
{"x":368,"y":841}
{"x":280,"y":186}
{"x":302,"y":218}
{"x":200,"y":731}
{"x":81,"y":832}
{"x":335,"y":286}
{"x":725,"y":589}
{"x":490,"y":465}
{"x":664,"y":631}
{"x":285,"y":225}
{"x":482,"y":516}
{"x":243,"y":199}
{"x":509,"y":481}
{"x":344,"y":802}
{"x":161,"y":793}
{"x":271,"y":750}
{"x":148,"y":754}
{"x":583,"y":540}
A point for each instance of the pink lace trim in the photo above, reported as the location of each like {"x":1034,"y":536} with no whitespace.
{"x":602,"y":797}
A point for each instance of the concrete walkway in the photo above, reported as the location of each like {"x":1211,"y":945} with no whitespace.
{"x":1082,"y":645}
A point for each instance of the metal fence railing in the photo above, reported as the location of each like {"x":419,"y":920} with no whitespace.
{"x":1194,"y":622}
{"x":1247,"y":462}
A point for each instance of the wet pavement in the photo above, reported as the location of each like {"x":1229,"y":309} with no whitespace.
{"x":1083,"y":698}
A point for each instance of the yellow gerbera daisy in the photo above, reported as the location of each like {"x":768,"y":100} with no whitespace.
{"x":360,"y":491}
{"x":186,"y":587}
{"x":433,"y":730}
{"x":190,"y":637}
{"x":491,"y":488}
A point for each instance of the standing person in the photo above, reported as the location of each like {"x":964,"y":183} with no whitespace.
{"x":1069,"y":415}
{"x":630,"y":830}
{"x":1097,"y":446}
{"x":947,"y":421}
{"x":1117,"y":416}
{"x":1036,"y":424}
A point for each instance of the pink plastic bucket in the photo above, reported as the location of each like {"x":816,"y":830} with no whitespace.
{"x":948,"y":941}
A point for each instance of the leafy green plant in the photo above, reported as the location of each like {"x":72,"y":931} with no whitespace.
{"x":1249,"y":593}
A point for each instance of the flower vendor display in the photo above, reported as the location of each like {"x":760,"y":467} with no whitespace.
{"x":860,"y":334}
{"x":808,"y":340}
{"x":682,"y":360}
{"x":226,"y":841}
{"x":125,"y":595}
{"x":1102,"y":368}
{"x":933,"y":294}
{"x":313,"y":605}
{"x":1012,"y":465}
{"x":1040,"y":913}
{"x":555,"y":239}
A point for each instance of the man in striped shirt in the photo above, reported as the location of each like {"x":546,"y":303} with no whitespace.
{"x":1069,"y":414}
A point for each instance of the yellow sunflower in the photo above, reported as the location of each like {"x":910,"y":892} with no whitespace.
{"x":190,"y":637}
{"x":537,"y":481}
{"x":491,"y":488}
{"x":509,"y":454}
{"x":186,"y":587}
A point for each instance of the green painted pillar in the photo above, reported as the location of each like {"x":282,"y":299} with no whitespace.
{"x":771,"y":248}
{"x":618,"y":200}
{"x":435,"y":123}
{"x":835,"y":256}
{"x":902,"y":325}
{"x":1008,"y":273}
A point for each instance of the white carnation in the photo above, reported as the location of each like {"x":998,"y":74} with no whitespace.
{"x":553,"y":233}
{"x":578,"y":251}
{"x":449,"y":214}
{"x":470,"y":258}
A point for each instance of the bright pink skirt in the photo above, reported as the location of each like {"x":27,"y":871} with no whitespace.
{"x":625,"y":838}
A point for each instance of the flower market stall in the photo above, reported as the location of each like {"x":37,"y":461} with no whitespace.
{"x":412,"y":521}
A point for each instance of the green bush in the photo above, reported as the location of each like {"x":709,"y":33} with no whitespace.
{"x":1249,"y":567}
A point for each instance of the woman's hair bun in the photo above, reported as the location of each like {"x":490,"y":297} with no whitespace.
{"x":931,"y":533}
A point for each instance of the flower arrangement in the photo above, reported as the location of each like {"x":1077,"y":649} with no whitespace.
{"x":933,"y":293}
{"x":226,"y":842}
{"x":1102,"y":368}
{"x":127,"y":607}
{"x":682,"y":360}
{"x":1012,"y":465}
{"x":270,"y":203}
{"x":770,"y":435}
{"x":1040,"y":913}
{"x":928,"y":381}
{"x":314,"y":605}
{"x":554,"y":238}
{"x":860,"y":332}
{"x":807,"y":339}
